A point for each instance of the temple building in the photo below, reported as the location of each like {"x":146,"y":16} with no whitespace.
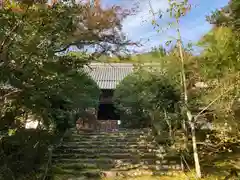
{"x":108,"y":76}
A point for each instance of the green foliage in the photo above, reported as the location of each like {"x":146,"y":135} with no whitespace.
{"x":221,"y":53}
{"x":220,"y":65}
{"x":44,"y":81}
{"x":221,"y":62}
{"x":228,"y":16}
{"x":159,"y":52}
{"x":23,"y":153}
{"x":141,"y":95}
{"x":153,"y":56}
{"x":177,"y":9}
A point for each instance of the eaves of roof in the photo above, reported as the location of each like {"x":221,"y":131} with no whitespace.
{"x":108,"y":75}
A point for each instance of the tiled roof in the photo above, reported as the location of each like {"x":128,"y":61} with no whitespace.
{"x":108,"y":75}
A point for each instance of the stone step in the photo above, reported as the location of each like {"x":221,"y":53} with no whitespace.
{"x":103,"y":142}
{"x":162,"y":167}
{"x":99,"y":145}
{"x":113,"y":143}
{"x":93,"y":161}
{"x":99,"y":161}
{"x":71,"y":177}
{"x":107,"y":148}
{"x":126,"y":167}
{"x":106,"y":155}
{"x":127,"y":174}
{"x":87,"y":144}
{"x":117,"y":174}
{"x":107,"y":134}
{"x":111,"y":134}
{"x":78,"y":150}
{"x":80,"y":166}
{"x":83,"y":172}
{"x":114,"y":139}
{"x":120,"y":131}
{"x":121,"y":139}
{"x":109,"y":139}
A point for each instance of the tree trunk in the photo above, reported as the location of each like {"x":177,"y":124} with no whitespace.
{"x":188,"y":112}
{"x":168,"y":123}
{"x":170,"y":130}
{"x":185,"y":134}
{"x":195,"y":152}
{"x":184,"y":86}
{"x":194,"y":145}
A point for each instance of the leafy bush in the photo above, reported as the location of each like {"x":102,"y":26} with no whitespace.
{"x":143,"y":97}
{"x":56,"y":102}
{"x":24,"y":153}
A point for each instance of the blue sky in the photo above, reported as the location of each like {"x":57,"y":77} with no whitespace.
{"x":138,"y":27}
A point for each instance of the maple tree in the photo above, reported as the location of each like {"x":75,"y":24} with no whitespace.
{"x":34,"y":41}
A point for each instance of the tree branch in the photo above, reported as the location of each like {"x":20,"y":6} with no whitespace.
{"x":48,"y":163}
{"x":10,"y":94}
{"x":211,"y":103}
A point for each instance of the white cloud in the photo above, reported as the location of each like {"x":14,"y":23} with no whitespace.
{"x":139,"y":27}
{"x":142,"y":19}
{"x":194,"y":31}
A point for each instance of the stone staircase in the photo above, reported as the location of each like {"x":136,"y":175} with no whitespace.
{"x":122,"y":153}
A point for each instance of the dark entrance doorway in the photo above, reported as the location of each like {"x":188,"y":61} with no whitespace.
{"x":107,"y":112}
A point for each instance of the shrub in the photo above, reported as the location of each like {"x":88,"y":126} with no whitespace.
{"x":24,"y":153}
{"x":143,"y":97}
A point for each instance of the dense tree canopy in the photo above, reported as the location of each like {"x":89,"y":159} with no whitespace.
{"x":228,"y":16}
{"x":37,"y":76}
